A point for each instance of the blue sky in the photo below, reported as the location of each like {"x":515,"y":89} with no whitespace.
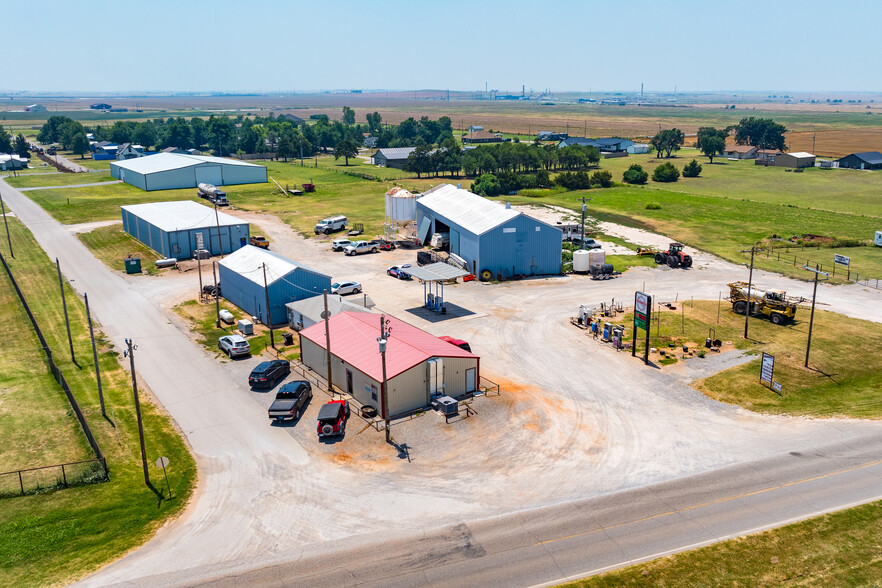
{"x":254,"y":45}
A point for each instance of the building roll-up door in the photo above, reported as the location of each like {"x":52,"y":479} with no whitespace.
{"x":454,"y":242}
{"x":210,"y":174}
{"x":423,"y":234}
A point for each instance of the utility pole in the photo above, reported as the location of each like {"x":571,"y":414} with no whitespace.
{"x":216,"y":294}
{"x":327,"y":315}
{"x":64,"y":305}
{"x":749,"y":285}
{"x":269,"y":318}
{"x":817,"y":271}
{"x":95,"y":355}
{"x":382,"y":340}
{"x":6,"y":222}
{"x":220,"y":243}
{"x":131,"y":353}
{"x":584,"y":210}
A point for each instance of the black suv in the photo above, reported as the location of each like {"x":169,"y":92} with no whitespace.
{"x":268,"y":373}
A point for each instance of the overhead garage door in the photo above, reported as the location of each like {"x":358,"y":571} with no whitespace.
{"x":425,"y":225}
{"x":210,"y":174}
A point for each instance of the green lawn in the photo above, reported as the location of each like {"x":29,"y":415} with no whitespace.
{"x":59,"y":536}
{"x":41,"y":180}
{"x":839,"y":549}
{"x":112,"y":246}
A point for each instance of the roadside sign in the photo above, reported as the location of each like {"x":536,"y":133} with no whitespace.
{"x":776,"y":386}
{"x":325,"y":314}
{"x":641,"y":306}
{"x":842,"y":260}
{"x":162,"y":462}
{"x":768,"y":368}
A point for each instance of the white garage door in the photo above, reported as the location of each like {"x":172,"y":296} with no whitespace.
{"x":210,"y":174}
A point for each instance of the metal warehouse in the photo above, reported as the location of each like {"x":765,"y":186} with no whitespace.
{"x":305,"y":313}
{"x":251,"y":276}
{"x":419,"y":366}
{"x":494,"y":240}
{"x":177,"y":229}
{"x":168,"y":171}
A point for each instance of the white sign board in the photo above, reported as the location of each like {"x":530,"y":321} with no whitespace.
{"x":841,"y":260}
{"x":768,"y":368}
{"x":776,"y":386}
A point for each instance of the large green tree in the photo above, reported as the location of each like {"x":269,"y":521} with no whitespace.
{"x":177,"y":133}
{"x":144,"y":134}
{"x":667,"y":141}
{"x":374,"y":121}
{"x":285,"y":148}
{"x":711,"y":142}
{"x":5,"y":141}
{"x":760,"y":132}
{"x":80,"y":144}
{"x":348,"y":116}
{"x":49,"y":133}
{"x":20,"y":145}
{"x":345,"y":149}
{"x":419,"y":161}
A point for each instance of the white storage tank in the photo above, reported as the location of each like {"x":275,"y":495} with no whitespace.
{"x":400,"y":205}
{"x":596,"y":257}
{"x":581,"y":260}
{"x":226,"y":316}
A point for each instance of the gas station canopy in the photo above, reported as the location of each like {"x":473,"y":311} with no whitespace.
{"x":437,"y":272}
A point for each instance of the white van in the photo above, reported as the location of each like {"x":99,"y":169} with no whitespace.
{"x":330,"y":224}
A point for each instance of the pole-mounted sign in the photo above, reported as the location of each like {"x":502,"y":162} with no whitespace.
{"x":642,"y":312}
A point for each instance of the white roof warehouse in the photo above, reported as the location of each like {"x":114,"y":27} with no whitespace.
{"x":169,"y":171}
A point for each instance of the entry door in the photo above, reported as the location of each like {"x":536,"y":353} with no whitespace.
{"x":471,"y":374}
{"x":349,"y":382}
{"x":210,"y":174}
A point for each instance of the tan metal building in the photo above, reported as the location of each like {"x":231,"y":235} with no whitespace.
{"x":419,"y":366}
{"x":797,"y":159}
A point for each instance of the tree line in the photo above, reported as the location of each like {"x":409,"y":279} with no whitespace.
{"x":762,"y":133}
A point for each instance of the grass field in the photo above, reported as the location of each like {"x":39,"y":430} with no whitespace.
{"x":112,"y":246}
{"x":56,"y":537}
{"x":839,"y":549}
{"x":61,"y":179}
{"x":834,"y":386}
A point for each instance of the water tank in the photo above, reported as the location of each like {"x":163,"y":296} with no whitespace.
{"x":400,"y":205}
{"x":226,"y":316}
{"x":581,"y":260}
{"x":597,"y":257}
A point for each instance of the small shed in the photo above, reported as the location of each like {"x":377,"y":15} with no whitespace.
{"x":177,"y":229}
{"x":419,"y":365}
{"x":864,"y":160}
{"x":307,"y":312}
{"x":252,"y":274}
{"x":797,"y":159}
{"x":492,"y":238}
{"x":638,"y":148}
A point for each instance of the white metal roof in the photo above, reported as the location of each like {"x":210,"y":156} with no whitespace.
{"x":470,"y":211}
{"x":801,"y":154}
{"x":181,"y":215}
{"x":436,"y":272}
{"x":248,"y":263}
{"x":168,"y":161}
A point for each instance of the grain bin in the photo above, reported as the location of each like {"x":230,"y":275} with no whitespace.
{"x":400,"y":205}
{"x":581,"y":260}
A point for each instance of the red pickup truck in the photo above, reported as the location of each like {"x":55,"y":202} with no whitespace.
{"x":332,"y":418}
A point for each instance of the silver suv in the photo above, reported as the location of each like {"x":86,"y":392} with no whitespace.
{"x":234,"y":345}
{"x":339,"y":244}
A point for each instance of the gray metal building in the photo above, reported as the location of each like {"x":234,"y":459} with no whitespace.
{"x":864,"y":160}
{"x":305,"y":313}
{"x":177,"y":229}
{"x":243,"y":283}
{"x":392,"y":157}
{"x":168,"y":171}
{"x":491,"y":237}
{"x":419,"y":366}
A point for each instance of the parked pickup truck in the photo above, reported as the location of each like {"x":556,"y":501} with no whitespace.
{"x":291,"y":400}
{"x":259,"y":241}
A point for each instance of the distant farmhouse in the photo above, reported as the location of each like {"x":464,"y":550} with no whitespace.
{"x":604,"y":145}
{"x":482,"y":137}
{"x":475,"y":128}
{"x":550,"y":136}
{"x":291,"y":118}
{"x":865,"y":160}
{"x":740,"y":152}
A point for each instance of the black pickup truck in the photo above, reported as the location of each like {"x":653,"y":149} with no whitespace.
{"x":290,"y":401}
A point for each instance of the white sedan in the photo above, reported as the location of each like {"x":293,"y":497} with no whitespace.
{"x":345,"y":288}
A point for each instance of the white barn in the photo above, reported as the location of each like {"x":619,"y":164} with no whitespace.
{"x":169,"y":171}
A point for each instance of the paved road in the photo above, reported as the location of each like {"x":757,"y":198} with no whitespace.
{"x":268,"y":496}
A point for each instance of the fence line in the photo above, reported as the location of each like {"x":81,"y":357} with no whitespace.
{"x":85,"y":476}
{"x":844,"y":272}
{"x":56,"y":372}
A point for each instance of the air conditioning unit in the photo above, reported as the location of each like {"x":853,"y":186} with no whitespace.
{"x":447,"y":406}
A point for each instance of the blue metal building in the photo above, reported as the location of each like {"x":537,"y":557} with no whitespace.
{"x":167,"y":171}
{"x":177,"y":229}
{"x":242,"y":282}
{"x":490,"y":237}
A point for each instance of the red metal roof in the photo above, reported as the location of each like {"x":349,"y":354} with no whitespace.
{"x":354,"y":340}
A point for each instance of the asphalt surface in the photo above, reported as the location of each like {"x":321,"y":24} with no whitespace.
{"x":591,"y":463}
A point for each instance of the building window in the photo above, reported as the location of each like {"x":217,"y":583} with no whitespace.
{"x":373,"y":392}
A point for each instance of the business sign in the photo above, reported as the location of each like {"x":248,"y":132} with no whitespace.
{"x":776,"y":386}
{"x":842,"y":260}
{"x":641,"y":310}
{"x":768,"y":369}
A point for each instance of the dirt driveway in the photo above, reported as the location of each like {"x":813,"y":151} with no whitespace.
{"x":575,"y":420}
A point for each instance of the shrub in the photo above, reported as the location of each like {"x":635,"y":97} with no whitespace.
{"x":602,"y":178}
{"x":635,"y":175}
{"x":573,"y":180}
{"x":691,"y":169}
{"x":666,"y":172}
{"x":652,"y":206}
{"x":486,"y":185}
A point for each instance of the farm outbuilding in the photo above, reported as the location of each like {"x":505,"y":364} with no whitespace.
{"x":305,"y":313}
{"x":419,"y":365}
{"x":177,"y":229}
{"x":168,"y":171}
{"x":638,"y":148}
{"x":251,"y":274}
{"x":740,"y":152}
{"x":865,"y":160}
{"x":796,"y":159}
{"x":392,"y":157}
{"x":489,"y":236}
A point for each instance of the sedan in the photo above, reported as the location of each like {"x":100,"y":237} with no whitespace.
{"x":268,"y":373}
{"x":399,"y":271}
{"x":360,"y":247}
{"x":234,"y":345}
{"x":345,"y":288}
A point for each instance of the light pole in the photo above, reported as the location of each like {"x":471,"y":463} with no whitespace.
{"x":382,"y":340}
{"x":584,"y":210}
{"x":749,"y":284}
{"x":817,"y":272}
{"x":6,"y":223}
{"x":131,"y":353}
